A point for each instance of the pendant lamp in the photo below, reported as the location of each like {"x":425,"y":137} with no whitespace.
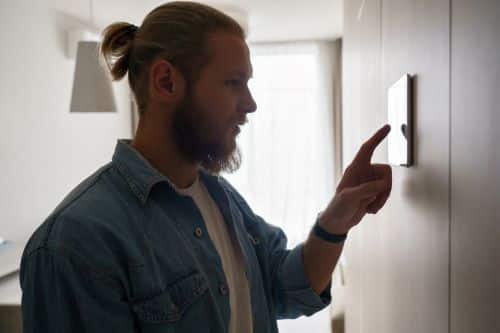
{"x":92,"y":90}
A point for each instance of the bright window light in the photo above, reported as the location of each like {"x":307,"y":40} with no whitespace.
{"x":287,"y":147}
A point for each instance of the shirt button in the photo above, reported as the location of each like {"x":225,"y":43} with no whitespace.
{"x":198,"y":232}
{"x":223,"y":289}
{"x":254,"y":240}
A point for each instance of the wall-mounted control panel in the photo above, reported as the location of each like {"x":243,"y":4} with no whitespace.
{"x":400,"y":117}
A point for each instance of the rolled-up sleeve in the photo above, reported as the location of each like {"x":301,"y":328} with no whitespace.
{"x":61,"y":295}
{"x":300,"y":298}
{"x":293,"y":294}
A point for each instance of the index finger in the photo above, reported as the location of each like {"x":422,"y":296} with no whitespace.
{"x":365,"y":153}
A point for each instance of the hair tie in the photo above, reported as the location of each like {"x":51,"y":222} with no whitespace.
{"x":132,"y":29}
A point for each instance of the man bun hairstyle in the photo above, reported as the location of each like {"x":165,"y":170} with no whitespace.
{"x":175,"y":31}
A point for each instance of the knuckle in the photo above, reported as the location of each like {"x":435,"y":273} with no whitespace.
{"x":341,"y":196}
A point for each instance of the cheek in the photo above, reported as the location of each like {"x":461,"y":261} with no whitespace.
{"x":219,"y":105}
{"x":210,"y":121}
{"x":221,"y":115}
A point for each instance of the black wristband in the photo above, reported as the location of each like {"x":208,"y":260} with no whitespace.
{"x":324,"y":235}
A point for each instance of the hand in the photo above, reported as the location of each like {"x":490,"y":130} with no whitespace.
{"x":364,"y":188}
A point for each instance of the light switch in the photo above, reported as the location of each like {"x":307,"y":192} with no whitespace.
{"x":399,"y":115}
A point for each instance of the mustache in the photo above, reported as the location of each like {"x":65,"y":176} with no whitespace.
{"x":241,"y":122}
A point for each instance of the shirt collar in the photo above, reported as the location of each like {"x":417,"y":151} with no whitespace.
{"x":140,"y":175}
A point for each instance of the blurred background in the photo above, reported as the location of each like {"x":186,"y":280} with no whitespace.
{"x":427,"y":262}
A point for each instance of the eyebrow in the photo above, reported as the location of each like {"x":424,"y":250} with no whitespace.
{"x":243,"y":74}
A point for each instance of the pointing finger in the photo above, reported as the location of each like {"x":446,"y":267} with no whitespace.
{"x":365,"y":153}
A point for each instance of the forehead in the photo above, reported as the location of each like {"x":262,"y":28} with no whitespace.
{"x":229,"y":53}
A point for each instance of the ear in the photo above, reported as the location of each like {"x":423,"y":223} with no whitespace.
{"x":166,"y":83}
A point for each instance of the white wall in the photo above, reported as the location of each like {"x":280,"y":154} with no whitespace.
{"x":475,"y":167}
{"x":44,"y":149}
{"x":397,"y":276}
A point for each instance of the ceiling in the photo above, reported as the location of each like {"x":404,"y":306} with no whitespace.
{"x":268,"y":20}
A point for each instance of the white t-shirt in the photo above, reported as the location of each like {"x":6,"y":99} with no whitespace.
{"x":229,"y":252}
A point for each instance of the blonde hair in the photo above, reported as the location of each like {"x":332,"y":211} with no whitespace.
{"x":175,"y":31}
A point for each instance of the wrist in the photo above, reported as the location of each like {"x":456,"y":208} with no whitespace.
{"x":330,"y":225}
{"x":329,"y":235}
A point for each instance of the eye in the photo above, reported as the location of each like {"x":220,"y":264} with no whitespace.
{"x":234,"y":83}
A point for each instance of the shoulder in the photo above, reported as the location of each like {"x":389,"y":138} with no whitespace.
{"x":90,"y":222}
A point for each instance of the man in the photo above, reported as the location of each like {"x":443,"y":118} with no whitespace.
{"x":156,"y":240}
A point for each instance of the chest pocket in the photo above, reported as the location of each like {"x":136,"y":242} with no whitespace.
{"x":180,"y":304}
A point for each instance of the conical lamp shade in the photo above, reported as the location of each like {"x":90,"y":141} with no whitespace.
{"x":92,"y":91}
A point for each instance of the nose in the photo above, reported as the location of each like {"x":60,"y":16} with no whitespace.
{"x":250,"y":105}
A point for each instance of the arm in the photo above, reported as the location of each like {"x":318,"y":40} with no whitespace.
{"x":320,"y":259}
{"x":364,"y":188}
{"x":291,"y":289}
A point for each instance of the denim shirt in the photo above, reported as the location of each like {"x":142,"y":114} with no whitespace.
{"x":124,"y":252}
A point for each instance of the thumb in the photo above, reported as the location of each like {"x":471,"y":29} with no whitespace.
{"x":366,"y":191}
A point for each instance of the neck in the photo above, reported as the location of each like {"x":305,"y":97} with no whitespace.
{"x":155,"y":144}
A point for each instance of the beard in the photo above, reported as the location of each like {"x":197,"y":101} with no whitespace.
{"x":194,"y":134}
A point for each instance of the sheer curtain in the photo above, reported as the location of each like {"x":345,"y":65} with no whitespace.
{"x":291,"y":145}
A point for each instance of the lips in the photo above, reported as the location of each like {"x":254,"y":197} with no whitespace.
{"x":236,"y":129}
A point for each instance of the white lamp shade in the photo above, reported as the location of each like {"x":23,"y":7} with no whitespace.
{"x":92,"y":90}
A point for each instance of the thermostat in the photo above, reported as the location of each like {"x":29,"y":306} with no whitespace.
{"x":399,"y":115}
